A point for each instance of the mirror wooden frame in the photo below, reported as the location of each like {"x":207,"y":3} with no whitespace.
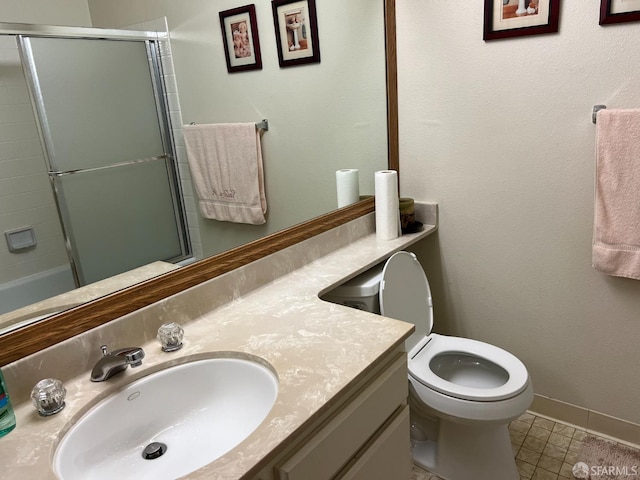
{"x":75,"y":321}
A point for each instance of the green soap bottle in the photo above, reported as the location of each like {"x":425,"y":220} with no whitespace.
{"x":7,"y":417}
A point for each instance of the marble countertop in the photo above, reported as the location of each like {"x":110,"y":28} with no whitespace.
{"x":317,"y":349}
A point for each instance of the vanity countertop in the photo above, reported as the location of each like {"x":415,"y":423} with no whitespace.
{"x":317,"y":349}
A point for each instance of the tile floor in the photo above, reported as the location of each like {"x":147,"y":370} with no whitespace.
{"x":544,"y":449}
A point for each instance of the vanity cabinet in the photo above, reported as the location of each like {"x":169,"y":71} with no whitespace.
{"x":365,"y":437}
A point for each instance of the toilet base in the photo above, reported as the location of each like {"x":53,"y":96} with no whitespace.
{"x":462,"y":452}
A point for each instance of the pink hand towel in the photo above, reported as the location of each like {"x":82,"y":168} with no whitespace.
{"x":226,"y":169}
{"x":616,"y":232}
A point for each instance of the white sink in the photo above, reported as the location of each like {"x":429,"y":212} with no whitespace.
{"x":199,"y":410}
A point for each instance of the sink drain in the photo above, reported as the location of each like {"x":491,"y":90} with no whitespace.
{"x":154,"y":450}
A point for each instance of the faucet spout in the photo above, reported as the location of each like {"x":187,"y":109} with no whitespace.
{"x":116,"y":362}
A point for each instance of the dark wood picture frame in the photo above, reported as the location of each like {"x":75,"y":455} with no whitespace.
{"x":240,"y":38}
{"x":609,"y":18}
{"x":296,"y":27}
{"x":515,"y":24}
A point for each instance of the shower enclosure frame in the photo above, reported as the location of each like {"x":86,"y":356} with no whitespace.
{"x":152,"y":41}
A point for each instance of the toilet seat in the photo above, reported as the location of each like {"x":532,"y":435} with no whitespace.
{"x":438,"y":345}
{"x":405,"y":295}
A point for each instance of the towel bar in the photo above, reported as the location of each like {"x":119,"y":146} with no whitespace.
{"x":596,"y":109}
{"x":262,"y":125}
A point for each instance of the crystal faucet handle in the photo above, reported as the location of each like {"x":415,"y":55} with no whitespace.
{"x":170,"y":336}
{"x":48,"y":396}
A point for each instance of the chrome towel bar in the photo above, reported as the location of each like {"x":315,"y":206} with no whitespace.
{"x":261,"y":125}
{"x":596,"y":109}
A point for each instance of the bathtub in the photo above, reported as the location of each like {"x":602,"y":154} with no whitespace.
{"x":34,"y":288}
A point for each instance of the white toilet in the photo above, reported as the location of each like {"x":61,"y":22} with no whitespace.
{"x":462,"y":393}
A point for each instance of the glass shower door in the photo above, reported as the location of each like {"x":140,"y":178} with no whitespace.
{"x":110,"y":158}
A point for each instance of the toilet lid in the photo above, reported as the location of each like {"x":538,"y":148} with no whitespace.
{"x":405,"y":295}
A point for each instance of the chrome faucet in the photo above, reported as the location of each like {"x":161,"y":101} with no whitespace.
{"x":116,"y":362}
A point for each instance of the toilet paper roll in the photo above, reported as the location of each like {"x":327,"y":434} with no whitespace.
{"x":348,"y":186}
{"x":387,"y":205}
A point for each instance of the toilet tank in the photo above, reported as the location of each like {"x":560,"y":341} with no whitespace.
{"x":360,"y":292}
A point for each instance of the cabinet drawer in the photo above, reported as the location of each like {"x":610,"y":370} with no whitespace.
{"x":339,"y":440}
{"x":388,"y":455}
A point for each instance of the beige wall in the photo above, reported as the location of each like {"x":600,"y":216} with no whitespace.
{"x":49,"y":12}
{"x":500,"y":134}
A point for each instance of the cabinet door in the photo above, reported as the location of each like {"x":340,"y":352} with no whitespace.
{"x":335,"y":445}
{"x":387,"y":456}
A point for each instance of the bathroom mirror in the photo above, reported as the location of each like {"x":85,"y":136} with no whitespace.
{"x":322,"y":117}
{"x":67,"y":324}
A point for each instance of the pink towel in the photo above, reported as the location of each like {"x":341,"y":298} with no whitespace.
{"x":226,"y":170}
{"x":616,"y":232}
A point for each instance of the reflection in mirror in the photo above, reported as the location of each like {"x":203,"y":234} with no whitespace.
{"x":107,"y":152}
{"x":309,"y":115}
{"x":322,"y":118}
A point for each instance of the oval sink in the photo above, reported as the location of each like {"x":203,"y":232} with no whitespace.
{"x":169,"y":423}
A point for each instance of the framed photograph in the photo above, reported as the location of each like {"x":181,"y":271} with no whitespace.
{"x":240,"y":37}
{"x":619,"y":11}
{"x":517,"y":18}
{"x":296,"y":28}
